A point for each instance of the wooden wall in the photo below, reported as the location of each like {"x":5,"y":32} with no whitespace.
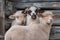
{"x":2,"y":17}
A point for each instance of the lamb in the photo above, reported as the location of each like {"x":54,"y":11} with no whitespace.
{"x":16,"y":31}
{"x":46,"y":21}
{"x":17,"y":17}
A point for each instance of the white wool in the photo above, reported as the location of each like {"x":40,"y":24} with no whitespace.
{"x":42,"y":20}
{"x":16,"y":32}
{"x":45,"y":28}
{"x":16,"y":22}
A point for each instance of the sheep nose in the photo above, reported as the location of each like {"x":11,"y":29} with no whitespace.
{"x":33,"y":16}
{"x":49,"y":22}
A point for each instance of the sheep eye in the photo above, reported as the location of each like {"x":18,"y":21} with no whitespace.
{"x":41,"y":11}
{"x":29,"y":11}
{"x":24,"y":12}
{"x":36,"y":11}
{"x":17,"y":16}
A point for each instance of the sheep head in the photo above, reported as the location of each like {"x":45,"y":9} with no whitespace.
{"x":32,"y":11}
{"x":19,"y":16}
{"x":46,"y":17}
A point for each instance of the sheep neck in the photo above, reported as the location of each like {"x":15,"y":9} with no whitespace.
{"x":31,"y":21}
{"x":18,"y":22}
{"x":46,"y":24}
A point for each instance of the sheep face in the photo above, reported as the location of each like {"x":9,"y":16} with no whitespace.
{"x":32,"y":11}
{"x":18,"y":16}
{"x":46,"y":17}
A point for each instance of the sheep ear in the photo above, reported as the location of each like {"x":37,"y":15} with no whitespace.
{"x":38,"y":10}
{"x":39,"y":15}
{"x":56,"y":16}
{"x":44,"y":15}
{"x":12,"y":17}
{"x":25,"y":11}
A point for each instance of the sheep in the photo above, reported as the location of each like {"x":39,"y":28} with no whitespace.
{"x":46,"y":21}
{"x":17,"y":19}
{"x":33,"y":26}
{"x":47,"y":17}
{"x":16,"y":31}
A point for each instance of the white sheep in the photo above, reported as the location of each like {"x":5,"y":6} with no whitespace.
{"x":18,"y":17}
{"x":46,"y":20}
{"x":16,"y":32}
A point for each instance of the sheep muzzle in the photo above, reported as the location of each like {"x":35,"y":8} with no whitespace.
{"x":33,"y":16}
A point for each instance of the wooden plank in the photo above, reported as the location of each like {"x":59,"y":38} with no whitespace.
{"x":51,"y":5}
{"x":56,"y":24}
{"x":2,"y":17}
{"x":1,"y":36}
{"x":35,"y":0}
